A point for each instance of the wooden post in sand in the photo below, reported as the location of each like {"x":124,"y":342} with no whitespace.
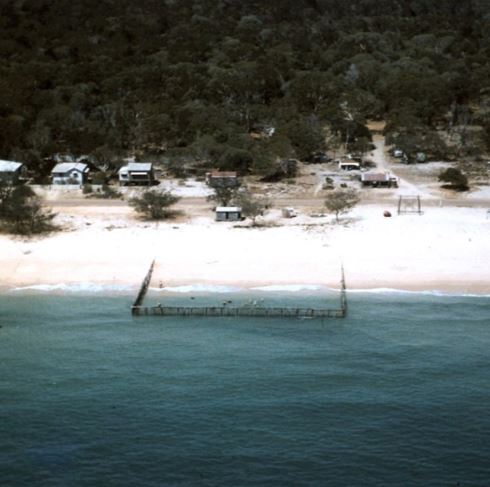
{"x":343,"y":294}
{"x":135,"y":309}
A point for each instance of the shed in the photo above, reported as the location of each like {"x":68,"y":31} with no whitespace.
{"x":421,"y":157}
{"x":222,"y":179}
{"x":11,"y":172}
{"x":139,"y":173}
{"x":379,"y":179}
{"x":228,"y":213}
{"x":70,"y":173}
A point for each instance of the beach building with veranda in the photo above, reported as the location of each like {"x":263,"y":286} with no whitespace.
{"x":136,"y":173}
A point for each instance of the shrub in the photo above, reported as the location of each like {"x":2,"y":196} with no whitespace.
{"x":105,"y":192}
{"x":455,"y":178}
{"x":21,"y":211}
{"x":252,"y":206}
{"x":236,"y":160}
{"x":154,"y":205}
{"x":341,"y":201}
{"x":99,"y":178}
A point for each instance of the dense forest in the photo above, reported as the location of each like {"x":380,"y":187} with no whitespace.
{"x":207,"y":80}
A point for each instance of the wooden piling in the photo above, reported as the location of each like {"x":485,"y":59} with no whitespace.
{"x":136,"y":308}
{"x":219,"y":311}
{"x":343,"y":293}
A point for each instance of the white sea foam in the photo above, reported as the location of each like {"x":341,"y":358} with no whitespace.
{"x":91,"y":287}
{"x":434,"y":292}
{"x":293,"y":288}
{"x":198,"y":288}
{"x":207,"y":288}
{"x":79,"y":287}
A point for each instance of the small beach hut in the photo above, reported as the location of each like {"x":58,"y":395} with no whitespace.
{"x":228,"y":213}
{"x":11,"y":172}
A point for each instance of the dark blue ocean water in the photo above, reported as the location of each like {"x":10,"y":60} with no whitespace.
{"x":396,"y":394}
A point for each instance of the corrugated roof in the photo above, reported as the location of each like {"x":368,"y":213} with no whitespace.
{"x":223,"y":174}
{"x":375,"y":176}
{"x":64,"y":167}
{"x":9,"y":166}
{"x":139,"y":166}
{"x":228,"y":209}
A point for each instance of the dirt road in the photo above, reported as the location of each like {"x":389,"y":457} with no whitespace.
{"x":383,"y":165}
{"x":308,"y":202}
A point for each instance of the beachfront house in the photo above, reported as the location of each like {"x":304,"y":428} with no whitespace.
{"x":137,"y":173}
{"x":70,"y":173}
{"x":222,"y":179}
{"x":228,"y":213}
{"x":379,"y":180}
{"x":11,"y":172}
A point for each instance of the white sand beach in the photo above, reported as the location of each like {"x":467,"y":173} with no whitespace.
{"x":446,"y":249}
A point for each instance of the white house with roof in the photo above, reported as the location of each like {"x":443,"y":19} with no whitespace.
{"x":11,"y":172}
{"x":70,"y":173}
{"x":136,"y":173}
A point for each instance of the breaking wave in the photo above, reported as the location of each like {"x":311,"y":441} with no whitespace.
{"x":434,"y":292}
{"x":199,"y":288}
{"x":79,"y":287}
{"x":292,"y":288}
{"x":91,"y":287}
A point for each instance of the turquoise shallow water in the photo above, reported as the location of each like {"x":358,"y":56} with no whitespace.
{"x":396,"y":394}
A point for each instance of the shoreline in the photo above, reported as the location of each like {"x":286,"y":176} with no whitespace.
{"x":176,"y":286}
{"x":445,"y":250}
{"x":188,"y":288}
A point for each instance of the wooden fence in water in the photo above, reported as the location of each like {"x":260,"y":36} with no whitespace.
{"x":143,"y":288}
{"x":236,"y":311}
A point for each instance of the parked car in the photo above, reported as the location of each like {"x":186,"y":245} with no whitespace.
{"x":318,"y":158}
